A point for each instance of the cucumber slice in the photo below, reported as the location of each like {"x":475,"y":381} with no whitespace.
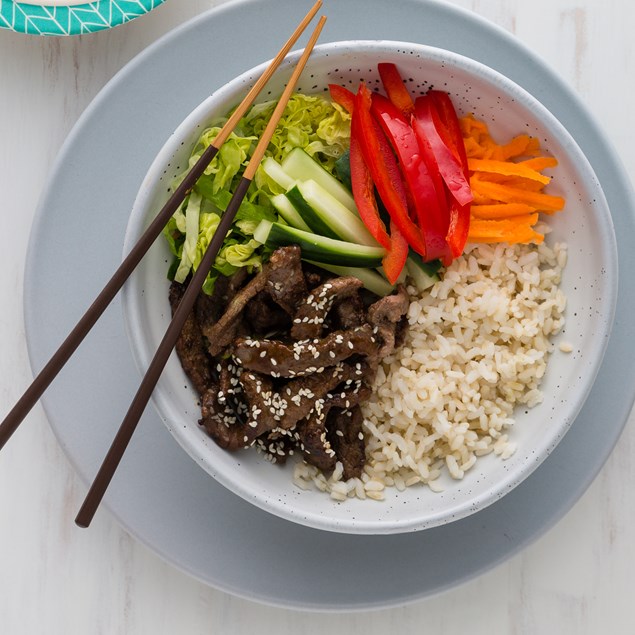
{"x":343,"y":170}
{"x":319,"y":248}
{"x":370,"y":279}
{"x":301,"y":167}
{"x":419,"y":272}
{"x":430,"y":268}
{"x":275,"y":172}
{"x":309,"y":215}
{"x":288,"y":212}
{"x":319,"y":209}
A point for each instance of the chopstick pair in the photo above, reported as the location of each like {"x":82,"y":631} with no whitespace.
{"x":127,"y":428}
{"x":41,"y":382}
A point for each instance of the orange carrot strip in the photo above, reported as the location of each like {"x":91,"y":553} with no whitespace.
{"x":505,"y":194}
{"x":530,"y":237}
{"x":510,"y":181}
{"x":501,"y":210}
{"x":473,"y":148}
{"x":469,"y":124}
{"x":518,"y":146}
{"x":505,"y":231}
{"x":480,"y":199}
{"x":506,"y":168}
{"x":540,"y":163}
{"x":502,"y":227}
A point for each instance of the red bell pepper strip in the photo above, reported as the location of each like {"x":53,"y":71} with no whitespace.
{"x":449,"y":166}
{"x":364,"y":195}
{"x":451,"y":133}
{"x":425,"y":184}
{"x":384,"y":169}
{"x":450,"y":129}
{"x":342,"y":96}
{"x":395,"y":88}
{"x":395,"y":260}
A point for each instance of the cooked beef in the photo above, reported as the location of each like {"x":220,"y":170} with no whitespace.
{"x":281,"y":359}
{"x":386,"y":315}
{"x":349,"y":312}
{"x":285,"y":280}
{"x":220,"y":419}
{"x":311,"y":435}
{"x":190,"y":347}
{"x":264,"y":407}
{"x":346,"y":436}
{"x":235,"y":433}
{"x":314,"y":276}
{"x":283,"y":262}
{"x":309,"y":319}
{"x":209,"y":308}
{"x":265,"y":316}
{"x":276,"y":447}
{"x":297,"y":397}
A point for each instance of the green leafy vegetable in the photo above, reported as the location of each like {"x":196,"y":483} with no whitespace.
{"x":310,"y":122}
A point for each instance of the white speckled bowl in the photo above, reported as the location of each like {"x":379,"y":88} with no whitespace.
{"x":590,"y":282}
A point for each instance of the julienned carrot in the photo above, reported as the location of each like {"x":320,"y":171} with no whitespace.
{"x":507,"y":184}
{"x":511,"y":230}
{"x":496,"y":191}
{"x":527,"y":236}
{"x":482,"y":146}
{"x":506,"y":168}
{"x":540,"y":163}
{"x":480,"y":227}
{"x":501,"y":210}
{"x":517,"y":182}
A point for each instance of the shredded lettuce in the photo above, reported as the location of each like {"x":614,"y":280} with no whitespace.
{"x":309,"y":121}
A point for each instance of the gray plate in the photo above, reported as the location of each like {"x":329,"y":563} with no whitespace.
{"x":159,"y":494}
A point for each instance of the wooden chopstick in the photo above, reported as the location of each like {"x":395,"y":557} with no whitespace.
{"x":44,"y":378}
{"x":129,"y":424}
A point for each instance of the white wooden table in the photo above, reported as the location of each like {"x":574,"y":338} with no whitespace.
{"x":57,"y":579}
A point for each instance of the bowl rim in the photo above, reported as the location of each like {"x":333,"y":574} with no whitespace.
{"x":271,"y":503}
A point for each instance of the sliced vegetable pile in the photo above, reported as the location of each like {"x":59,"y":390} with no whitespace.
{"x":508,"y":191}
{"x":368,"y":185}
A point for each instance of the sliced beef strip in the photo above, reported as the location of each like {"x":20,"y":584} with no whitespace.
{"x":220,"y":419}
{"x":299,"y":396}
{"x":385,"y":315}
{"x":346,"y":436}
{"x":286,"y":284}
{"x":190,"y":347}
{"x":268,"y":409}
{"x":264,"y":316}
{"x":349,"y":312}
{"x":311,"y":436}
{"x":230,"y":390}
{"x":280,"y":359}
{"x":312,"y":432}
{"x":276,"y":448}
{"x":311,"y":315}
{"x":209,"y":308}
{"x":262,"y":414}
{"x":283,"y":262}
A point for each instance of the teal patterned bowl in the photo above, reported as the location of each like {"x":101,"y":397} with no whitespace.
{"x":69,"y":17}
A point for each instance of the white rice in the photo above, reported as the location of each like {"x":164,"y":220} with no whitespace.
{"x":477,"y":346}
